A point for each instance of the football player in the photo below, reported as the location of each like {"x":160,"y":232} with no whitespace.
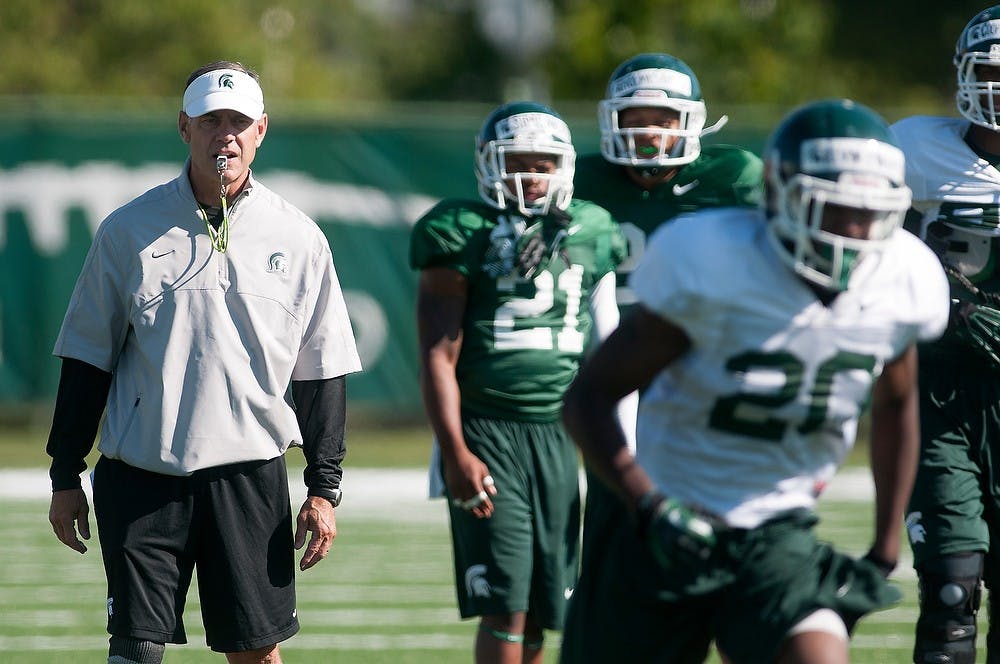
{"x":762,"y":335}
{"x":511,"y":286}
{"x":652,"y":165}
{"x":953,"y":518}
{"x":651,"y":168}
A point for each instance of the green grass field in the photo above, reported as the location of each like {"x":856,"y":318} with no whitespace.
{"x":384,"y":594}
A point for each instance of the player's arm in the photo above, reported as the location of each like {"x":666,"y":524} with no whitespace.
{"x":895,"y":445}
{"x":80,"y":401}
{"x":748,"y":180}
{"x":441,"y":301}
{"x":320,"y":408}
{"x":604,"y":310}
{"x":641,"y":346}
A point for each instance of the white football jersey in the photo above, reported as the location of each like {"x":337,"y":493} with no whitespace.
{"x":755,"y":419}
{"x":951,"y":183}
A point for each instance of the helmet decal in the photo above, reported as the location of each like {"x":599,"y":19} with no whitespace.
{"x":652,"y":82}
{"x":983,"y":32}
{"x":531,"y":126}
{"x":821,"y":155}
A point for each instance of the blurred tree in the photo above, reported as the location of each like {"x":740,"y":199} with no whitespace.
{"x":770,"y":52}
{"x":900,"y":50}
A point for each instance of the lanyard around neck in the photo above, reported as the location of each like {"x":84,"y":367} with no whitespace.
{"x":220,"y":237}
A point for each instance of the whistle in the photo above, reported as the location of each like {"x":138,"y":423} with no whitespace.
{"x":220,"y":163}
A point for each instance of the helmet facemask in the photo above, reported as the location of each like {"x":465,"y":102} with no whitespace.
{"x":825,"y":258}
{"x":618,"y":144}
{"x":504,"y":190}
{"x":661,"y":81}
{"x":979,"y":101}
{"x":525,"y":128}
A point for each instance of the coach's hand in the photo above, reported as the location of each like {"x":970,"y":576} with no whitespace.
{"x":317,"y":517}
{"x":68,"y":511}
{"x":674,"y":532}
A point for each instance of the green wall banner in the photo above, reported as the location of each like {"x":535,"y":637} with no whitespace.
{"x":364,"y":181}
{"x":365,"y":186}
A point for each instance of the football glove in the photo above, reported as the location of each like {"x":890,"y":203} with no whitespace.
{"x":884,"y":566}
{"x":975,"y":315}
{"x":675,"y":534}
{"x":978,"y":326}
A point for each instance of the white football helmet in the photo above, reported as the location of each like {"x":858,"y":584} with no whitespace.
{"x":979,"y":44}
{"x":832,"y":153}
{"x":524,"y":127}
{"x":653,"y":80}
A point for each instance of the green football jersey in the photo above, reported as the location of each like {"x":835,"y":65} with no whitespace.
{"x":522,"y":338}
{"x":721,"y":176}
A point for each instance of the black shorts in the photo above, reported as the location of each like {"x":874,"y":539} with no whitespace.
{"x":232,"y":523}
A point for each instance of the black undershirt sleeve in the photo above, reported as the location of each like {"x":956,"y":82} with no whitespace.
{"x":321,"y":408}
{"x":80,"y":401}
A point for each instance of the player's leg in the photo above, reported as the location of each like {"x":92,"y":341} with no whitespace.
{"x":945,"y":526}
{"x":143,"y":521}
{"x":945,"y":521}
{"x":794,"y":598}
{"x":246,"y":563}
{"x":500,"y":639}
{"x":949,"y":604}
{"x":993,"y":634}
{"x":553,"y":467}
{"x":493,"y":557}
{"x":819,"y":638}
{"x":625,"y":608}
{"x":991,"y":513}
{"x":534,"y":643}
{"x":266,"y":655}
{"x":127,"y":650}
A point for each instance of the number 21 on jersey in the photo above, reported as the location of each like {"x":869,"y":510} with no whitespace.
{"x":514,"y":324}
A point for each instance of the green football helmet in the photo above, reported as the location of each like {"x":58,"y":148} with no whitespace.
{"x":979,"y":44}
{"x":524,"y":127}
{"x":661,"y":81}
{"x":825,"y":159}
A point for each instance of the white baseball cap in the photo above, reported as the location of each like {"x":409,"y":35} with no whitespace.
{"x":230,"y":89}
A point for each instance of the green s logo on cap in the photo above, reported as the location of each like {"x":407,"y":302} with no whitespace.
{"x":226,"y":81}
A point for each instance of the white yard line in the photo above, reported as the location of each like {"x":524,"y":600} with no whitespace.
{"x":380,"y":489}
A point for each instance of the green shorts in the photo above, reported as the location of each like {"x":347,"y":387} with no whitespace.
{"x":955,"y":504}
{"x":525,"y":557}
{"x":756,"y":586}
